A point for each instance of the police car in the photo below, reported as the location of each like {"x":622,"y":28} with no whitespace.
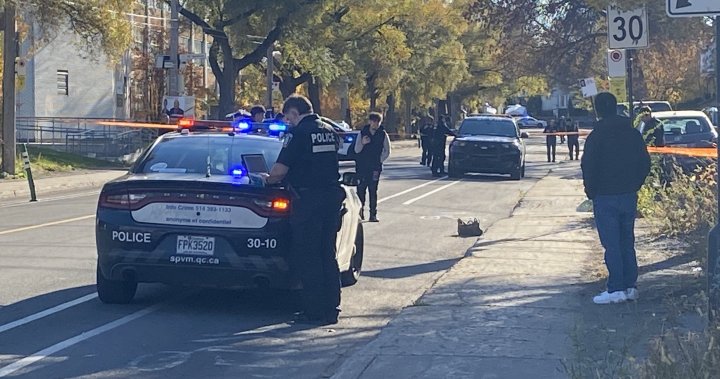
{"x":348,"y":136}
{"x":488,"y":144}
{"x":191,"y":212}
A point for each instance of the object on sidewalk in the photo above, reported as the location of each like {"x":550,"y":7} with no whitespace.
{"x":469,"y":228}
{"x":585,"y":206}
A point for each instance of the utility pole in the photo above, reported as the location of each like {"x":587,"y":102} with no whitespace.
{"x":270,"y":64}
{"x":631,"y":99}
{"x":174,"y":72}
{"x":10,"y":46}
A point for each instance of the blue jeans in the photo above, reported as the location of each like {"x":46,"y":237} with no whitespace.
{"x":615,"y":221}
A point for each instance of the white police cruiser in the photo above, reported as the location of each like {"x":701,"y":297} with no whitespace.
{"x":190,"y":213}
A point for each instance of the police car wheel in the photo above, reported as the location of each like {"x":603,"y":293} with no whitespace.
{"x":115,"y":291}
{"x":454,"y":172}
{"x":351,"y":276}
{"x":516,"y":174}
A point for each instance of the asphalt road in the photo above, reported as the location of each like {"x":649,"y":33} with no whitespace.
{"x":53,"y":326}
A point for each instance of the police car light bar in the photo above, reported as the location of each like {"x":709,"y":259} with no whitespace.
{"x":186,"y":122}
{"x":278,"y":128}
{"x":242,"y":126}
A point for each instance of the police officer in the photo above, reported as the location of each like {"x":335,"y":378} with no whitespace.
{"x":573,"y":140}
{"x":654,"y":133}
{"x":427,"y":123}
{"x":257,"y":113}
{"x":551,"y":140}
{"x":309,"y":164}
{"x":439,"y":139}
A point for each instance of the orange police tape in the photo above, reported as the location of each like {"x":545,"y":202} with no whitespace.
{"x":138,"y":125}
{"x":697,"y":152}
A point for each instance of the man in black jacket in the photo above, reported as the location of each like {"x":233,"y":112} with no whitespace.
{"x":615,"y":164}
{"x":371,"y":151}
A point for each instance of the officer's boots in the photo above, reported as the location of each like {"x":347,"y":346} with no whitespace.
{"x":373,"y":216}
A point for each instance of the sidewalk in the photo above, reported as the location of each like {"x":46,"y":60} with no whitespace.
{"x":505,"y":311}
{"x":18,"y":189}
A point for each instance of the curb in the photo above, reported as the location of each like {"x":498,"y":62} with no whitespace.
{"x":46,"y":186}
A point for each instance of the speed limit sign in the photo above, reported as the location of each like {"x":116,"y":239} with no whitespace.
{"x":627,"y":29}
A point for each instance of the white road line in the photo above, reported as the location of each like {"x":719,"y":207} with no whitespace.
{"x":26,"y":228}
{"x":47,"y":312}
{"x":44,"y":353}
{"x":410,"y":190}
{"x":49,"y":199}
{"x":431,"y":192}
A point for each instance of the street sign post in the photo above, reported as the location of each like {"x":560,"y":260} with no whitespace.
{"x":693,"y":8}
{"x":616,"y":64}
{"x":627,"y":29}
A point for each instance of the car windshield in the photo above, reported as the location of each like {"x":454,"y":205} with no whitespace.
{"x":685,"y":125}
{"x":489,"y":127}
{"x":192,"y":155}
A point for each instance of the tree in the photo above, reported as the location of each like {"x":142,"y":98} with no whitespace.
{"x":99,"y":24}
{"x":231,"y":23}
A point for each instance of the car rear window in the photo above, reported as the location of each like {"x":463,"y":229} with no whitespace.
{"x":193,"y":154}
{"x":685,"y":125}
{"x":489,"y":127}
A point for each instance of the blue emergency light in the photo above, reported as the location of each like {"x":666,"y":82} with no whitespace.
{"x":278,"y":128}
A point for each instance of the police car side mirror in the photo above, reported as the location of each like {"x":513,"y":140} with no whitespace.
{"x":524,"y":135}
{"x":350,"y":179}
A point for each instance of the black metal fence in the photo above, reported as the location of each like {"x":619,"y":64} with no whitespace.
{"x":84,"y":136}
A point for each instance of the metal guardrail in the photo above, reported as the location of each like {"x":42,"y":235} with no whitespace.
{"x":83,"y":136}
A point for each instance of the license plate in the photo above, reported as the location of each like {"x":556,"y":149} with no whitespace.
{"x":193,"y":245}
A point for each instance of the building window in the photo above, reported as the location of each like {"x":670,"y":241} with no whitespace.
{"x":62,"y":82}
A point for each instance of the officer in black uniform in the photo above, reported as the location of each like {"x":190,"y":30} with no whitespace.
{"x":550,"y":140}
{"x":427,"y":123}
{"x":309,"y":163}
{"x":439,"y":140}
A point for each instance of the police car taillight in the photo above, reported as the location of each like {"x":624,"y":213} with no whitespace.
{"x":281,"y":205}
{"x":121,"y":200}
{"x":276,"y":205}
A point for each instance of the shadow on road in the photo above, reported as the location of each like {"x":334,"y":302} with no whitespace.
{"x":407,"y":271}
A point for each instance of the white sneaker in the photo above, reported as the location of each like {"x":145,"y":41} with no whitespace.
{"x":610,"y":298}
{"x":632,"y":294}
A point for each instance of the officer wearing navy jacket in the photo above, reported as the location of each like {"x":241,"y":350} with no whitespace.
{"x":308,"y":163}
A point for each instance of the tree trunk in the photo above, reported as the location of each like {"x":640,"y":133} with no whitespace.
{"x":314,"y":92}
{"x":408,"y":113}
{"x":391,"y":124}
{"x":227,"y":92}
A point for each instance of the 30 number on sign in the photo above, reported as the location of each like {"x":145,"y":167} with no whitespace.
{"x":627,"y":29}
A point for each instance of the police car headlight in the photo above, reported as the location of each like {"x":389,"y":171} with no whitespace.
{"x":460,"y":143}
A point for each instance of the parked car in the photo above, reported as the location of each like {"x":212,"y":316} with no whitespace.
{"x":530,"y":122}
{"x":686,"y":129}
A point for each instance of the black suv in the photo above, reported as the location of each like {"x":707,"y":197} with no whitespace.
{"x":490,"y":145}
